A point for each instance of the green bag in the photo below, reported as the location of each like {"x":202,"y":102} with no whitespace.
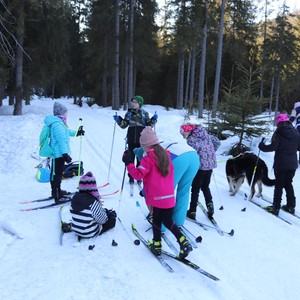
{"x":45,"y":148}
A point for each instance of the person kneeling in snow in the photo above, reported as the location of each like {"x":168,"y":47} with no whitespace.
{"x":89,"y":218}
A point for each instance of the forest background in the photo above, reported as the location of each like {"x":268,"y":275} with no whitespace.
{"x":200,"y":55}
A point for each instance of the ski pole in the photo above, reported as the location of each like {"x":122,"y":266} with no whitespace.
{"x":221,"y":207}
{"x":252,"y":179}
{"x":80,"y":147}
{"x":114,"y":243}
{"x":111,"y":151}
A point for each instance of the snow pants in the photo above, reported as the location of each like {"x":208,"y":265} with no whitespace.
{"x":186,"y":166}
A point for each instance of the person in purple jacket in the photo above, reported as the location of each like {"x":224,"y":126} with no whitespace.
{"x":206,"y":146}
{"x":157,"y":172}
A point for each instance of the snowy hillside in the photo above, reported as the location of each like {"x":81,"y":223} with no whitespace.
{"x":261,"y":260}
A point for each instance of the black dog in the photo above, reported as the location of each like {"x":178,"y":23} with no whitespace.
{"x":243,"y":166}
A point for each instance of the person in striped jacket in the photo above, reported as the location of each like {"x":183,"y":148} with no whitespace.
{"x":89,"y":218}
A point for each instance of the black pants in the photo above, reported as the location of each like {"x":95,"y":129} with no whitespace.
{"x":131,"y":147}
{"x":284,"y":180}
{"x":57,"y":168}
{"x":163,"y":216}
{"x":200,"y":182}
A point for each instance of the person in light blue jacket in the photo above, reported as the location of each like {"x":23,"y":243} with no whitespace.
{"x":60,"y":143}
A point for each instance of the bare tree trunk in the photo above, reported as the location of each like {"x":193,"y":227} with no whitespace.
{"x":130,"y":70}
{"x":202,"y":65}
{"x":219,"y":61}
{"x":192,"y":85}
{"x":271,"y":95}
{"x":277,"y":91}
{"x":104,"y":77}
{"x":263,"y":53}
{"x":180,"y":81}
{"x":19,"y":61}
{"x":116,"y":87}
{"x":187,"y":82}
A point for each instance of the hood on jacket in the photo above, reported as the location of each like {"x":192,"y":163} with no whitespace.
{"x":287,"y":131}
{"x":49,"y":120}
{"x":82,"y":200}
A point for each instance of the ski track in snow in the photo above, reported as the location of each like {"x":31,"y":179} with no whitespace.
{"x":261,"y":260}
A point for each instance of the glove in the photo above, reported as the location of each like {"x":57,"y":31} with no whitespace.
{"x":67,"y":158}
{"x":127,"y":158}
{"x":80,"y":131}
{"x":155,"y":116}
{"x":139,"y":152}
{"x":116,"y":118}
{"x":111,"y":213}
{"x":262,"y":142}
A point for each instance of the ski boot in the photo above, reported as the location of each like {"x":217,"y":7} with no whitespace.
{"x":155,"y":247}
{"x":185,"y":247}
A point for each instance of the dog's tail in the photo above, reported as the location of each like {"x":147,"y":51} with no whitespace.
{"x":265,"y":178}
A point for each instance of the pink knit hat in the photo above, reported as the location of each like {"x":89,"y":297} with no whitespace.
{"x":187,"y":128}
{"x":148,"y":138}
{"x":88,"y":184}
{"x":281,"y":118}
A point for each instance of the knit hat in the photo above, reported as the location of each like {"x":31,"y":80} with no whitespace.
{"x":139,"y":99}
{"x":186,"y":128}
{"x":281,"y":118}
{"x":148,"y":138}
{"x":296,"y":105}
{"x":59,"y":109}
{"x":88,"y":184}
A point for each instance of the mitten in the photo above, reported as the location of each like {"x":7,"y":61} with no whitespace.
{"x":262,"y":142}
{"x":67,"y":158}
{"x":80,"y":131}
{"x":127,"y":158}
{"x":116,"y":118}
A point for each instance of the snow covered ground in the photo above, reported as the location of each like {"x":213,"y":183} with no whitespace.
{"x":261,"y":260}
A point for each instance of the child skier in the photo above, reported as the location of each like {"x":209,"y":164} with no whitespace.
{"x":60,"y":143}
{"x":206,"y":146}
{"x":157,"y":173}
{"x":135,"y":119}
{"x":295,"y":116}
{"x":89,"y":218}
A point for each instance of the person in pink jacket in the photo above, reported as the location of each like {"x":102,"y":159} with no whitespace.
{"x":157,"y":172}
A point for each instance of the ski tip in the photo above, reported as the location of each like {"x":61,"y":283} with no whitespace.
{"x":243,"y":209}
{"x":221,"y":207}
{"x":137,"y":203}
{"x":231,"y":233}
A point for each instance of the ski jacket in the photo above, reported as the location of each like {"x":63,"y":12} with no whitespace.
{"x":206,"y":146}
{"x":88,"y":215}
{"x":295,"y":116}
{"x":136,"y":120}
{"x":59,"y":136}
{"x":159,"y":190}
{"x":177,"y":148}
{"x":285,"y":142}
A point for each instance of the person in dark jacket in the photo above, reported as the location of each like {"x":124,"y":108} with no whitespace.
{"x":89,"y":218}
{"x":136,"y":119}
{"x":285,"y":142}
{"x":295,"y":117}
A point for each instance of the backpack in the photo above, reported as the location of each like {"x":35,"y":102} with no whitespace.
{"x":45,"y":148}
{"x":71,"y":169}
{"x":43,"y":173}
